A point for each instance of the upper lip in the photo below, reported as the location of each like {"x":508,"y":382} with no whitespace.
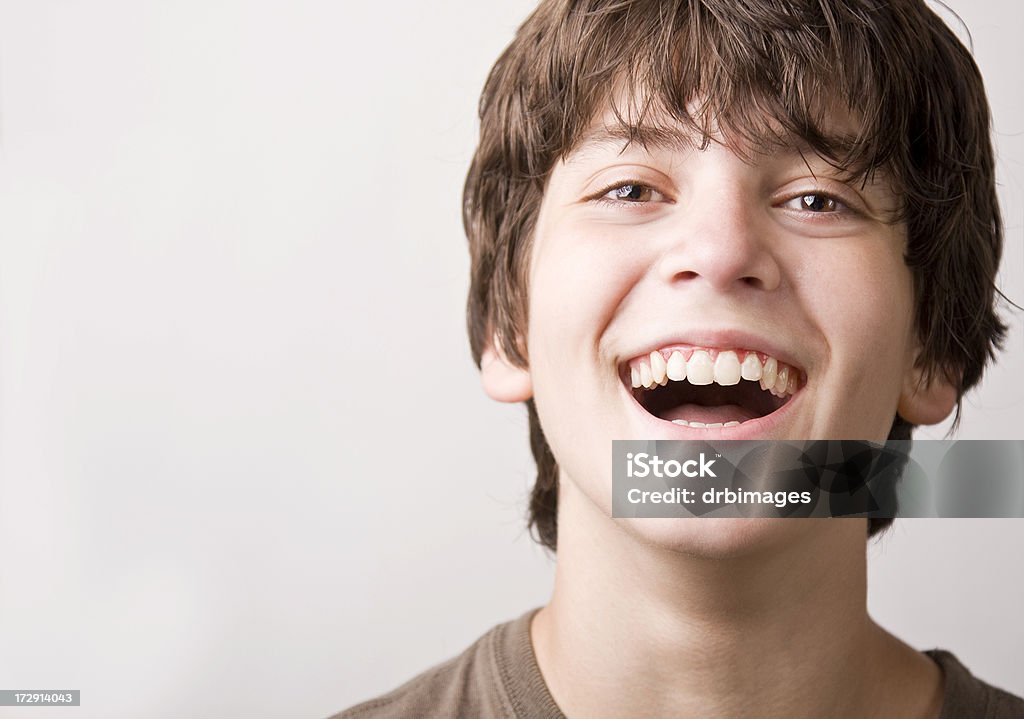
{"x":720,"y":339}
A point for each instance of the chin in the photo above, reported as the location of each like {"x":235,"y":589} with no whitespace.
{"x":725,"y":538}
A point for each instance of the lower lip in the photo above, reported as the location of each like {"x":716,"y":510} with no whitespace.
{"x":760,"y":428}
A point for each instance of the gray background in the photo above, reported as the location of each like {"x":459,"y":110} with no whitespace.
{"x":232,"y":275}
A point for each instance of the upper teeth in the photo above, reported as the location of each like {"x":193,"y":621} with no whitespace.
{"x":725,"y":369}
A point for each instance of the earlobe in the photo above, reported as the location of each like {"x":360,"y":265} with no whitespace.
{"x":927,"y":402}
{"x":502,"y":380}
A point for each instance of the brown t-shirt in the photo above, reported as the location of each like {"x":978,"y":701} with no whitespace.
{"x":498,"y":677}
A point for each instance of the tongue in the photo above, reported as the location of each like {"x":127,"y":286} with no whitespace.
{"x":707,"y":415}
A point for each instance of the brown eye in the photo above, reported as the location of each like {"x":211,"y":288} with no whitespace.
{"x":631,"y":193}
{"x":818,"y":203}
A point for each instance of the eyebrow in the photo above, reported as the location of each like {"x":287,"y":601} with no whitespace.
{"x":673,"y":138}
{"x":646,"y":135}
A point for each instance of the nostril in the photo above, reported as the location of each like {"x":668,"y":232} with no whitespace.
{"x":753,"y":281}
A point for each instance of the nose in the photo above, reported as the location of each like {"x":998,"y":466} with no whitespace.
{"x":723,"y":239}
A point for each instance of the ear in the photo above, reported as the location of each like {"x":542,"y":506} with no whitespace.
{"x":502,"y":380}
{"x":926,"y":403}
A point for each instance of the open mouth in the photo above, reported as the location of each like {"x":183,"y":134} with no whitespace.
{"x":711,"y":387}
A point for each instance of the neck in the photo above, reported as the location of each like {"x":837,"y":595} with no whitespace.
{"x":634,"y":628}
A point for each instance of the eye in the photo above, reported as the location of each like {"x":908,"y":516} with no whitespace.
{"x":630,"y":192}
{"x":817,"y":203}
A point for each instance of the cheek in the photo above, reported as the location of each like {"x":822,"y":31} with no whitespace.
{"x":578,"y":281}
{"x":863,"y":304}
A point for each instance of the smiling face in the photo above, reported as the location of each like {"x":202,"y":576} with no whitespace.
{"x":681,"y":293}
{"x":703,"y":260}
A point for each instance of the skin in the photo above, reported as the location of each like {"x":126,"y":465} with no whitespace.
{"x":715,"y":617}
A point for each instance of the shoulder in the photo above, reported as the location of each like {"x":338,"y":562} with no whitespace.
{"x":470,"y":684}
{"x":966,"y":695}
{"x":435,"y":692}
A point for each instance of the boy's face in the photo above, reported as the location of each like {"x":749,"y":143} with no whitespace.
{"x":671,"y":249}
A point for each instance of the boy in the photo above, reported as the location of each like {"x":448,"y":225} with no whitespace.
{"x":798,"y":193}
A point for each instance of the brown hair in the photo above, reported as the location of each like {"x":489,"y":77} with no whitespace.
{"x":755,"y":66}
